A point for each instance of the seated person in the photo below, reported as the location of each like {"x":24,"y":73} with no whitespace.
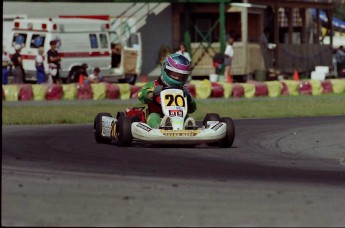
{"x":95,"y":77}
{"x":175,"y":71}
{"x":76,"y":72}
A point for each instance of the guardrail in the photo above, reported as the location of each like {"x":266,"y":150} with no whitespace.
{"x":199,"y":89}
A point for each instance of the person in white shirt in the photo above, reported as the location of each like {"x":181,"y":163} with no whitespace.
{"x":95,"y":77}
{"x":229,"y":53}
{"x":6,"y":64}
{"x":39,"y":62}
{"x":183,"y":51}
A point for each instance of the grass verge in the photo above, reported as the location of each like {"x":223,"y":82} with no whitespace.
{"x":65,"y":113}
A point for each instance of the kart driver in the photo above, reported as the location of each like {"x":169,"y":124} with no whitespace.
{"x":175,"y":71}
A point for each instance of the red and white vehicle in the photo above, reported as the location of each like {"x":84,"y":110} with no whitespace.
{"x":81,"y":39}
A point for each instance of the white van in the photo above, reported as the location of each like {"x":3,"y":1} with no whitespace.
{"x":78,"y":41}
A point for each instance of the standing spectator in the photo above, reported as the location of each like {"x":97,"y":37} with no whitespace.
{"x":6,"y":64}
{"x":115,"y":56}
{"x":340,"y":57}
{"x":229,"y":53}
{"x":41,"y":75}
{"x":17,"y":60}
{"x":95,"y":77}
{"x":54,"y":62}
{"x":183,"y":51}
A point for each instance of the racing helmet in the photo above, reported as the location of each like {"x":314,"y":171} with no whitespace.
{"x":175,"y":70}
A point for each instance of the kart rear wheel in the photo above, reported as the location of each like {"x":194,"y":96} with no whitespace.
{"x":124,"y":131}
{"x":210,"y":117}
{"x":230,"y":133}
{"x":120,"y":114}
{"x":97,"y":127}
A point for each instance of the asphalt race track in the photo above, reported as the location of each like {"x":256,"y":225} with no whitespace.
{"x":279,"y":172}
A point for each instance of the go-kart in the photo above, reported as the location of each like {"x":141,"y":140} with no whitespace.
{"x":131,"y":125}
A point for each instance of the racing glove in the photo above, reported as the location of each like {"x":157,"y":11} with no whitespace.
{"x":190,"y":100}
{"x":187,"y":94}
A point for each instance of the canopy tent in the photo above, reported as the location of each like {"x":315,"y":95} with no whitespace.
{"x":338,"y":25}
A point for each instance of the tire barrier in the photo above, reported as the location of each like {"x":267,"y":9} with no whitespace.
{"x":199,"y":89}
{"x":203,"y":89}
{"x":125,"y":91}
{"x":135,"y":91}
{"x":54,"y":92}
{"x":84,"y":92}
{"x":113,"y":91}
{"x":25,"y":92}
{"x":39,"y":92}
{"x":99,"y":91}
{"x":11,"y":92}
{"x":327,"y":87}
{"x":70,"y":91}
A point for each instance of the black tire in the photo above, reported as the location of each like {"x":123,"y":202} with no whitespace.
{"x":135,"y":119}
{"x":230,"y":133}
{"x":120,"y":114}
{"x":210,"y":117}
{"x":124,"y":131}
{"x":97,"y":126}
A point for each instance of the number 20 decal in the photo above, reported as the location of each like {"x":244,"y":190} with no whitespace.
{"x":176,"y":100}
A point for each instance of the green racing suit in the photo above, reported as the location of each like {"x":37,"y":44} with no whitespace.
{"x":154,"y":108}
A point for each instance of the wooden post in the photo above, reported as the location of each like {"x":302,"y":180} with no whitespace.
{"x":330,"y":21}
{"x":222,"y":32}
{"x":290,"y":24}
{"x":176,"y":27}
{"x":304,"y":26}
{"x":222,"y":26}
{"x":318,"y":26}
{"x":276,"y":26}
{"x":276,"y":36}
{"x":186,"y":35}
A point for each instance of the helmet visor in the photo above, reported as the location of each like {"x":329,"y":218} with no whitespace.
{"x":177,"y":76}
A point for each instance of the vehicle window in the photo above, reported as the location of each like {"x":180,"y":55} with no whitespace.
{"x":93,"y":41}
{"x":104,"y":40}
{"x":19,"y":38}
{"x":37,"y":40}
{"x":133,"y":40}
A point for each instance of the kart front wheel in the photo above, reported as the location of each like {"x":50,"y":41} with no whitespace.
{"x":210,"y":117}
{"x":124,"y":131}
{"x":230,"y":133}
{"x":97,"y":127}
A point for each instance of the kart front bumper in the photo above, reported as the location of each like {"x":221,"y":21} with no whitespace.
{"x":214,"y":133}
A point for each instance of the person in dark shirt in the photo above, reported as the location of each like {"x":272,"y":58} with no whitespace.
{"x":54,"y":62}
{"x":77,"y":72}
{"x":18,"y":71}
{"x":115,"y":56}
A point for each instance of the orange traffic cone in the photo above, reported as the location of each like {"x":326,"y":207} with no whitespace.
{"x":81,"y":79}
{"x":228,"y":78}
{"x":296,"y":76}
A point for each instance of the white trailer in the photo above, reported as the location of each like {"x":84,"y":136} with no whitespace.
{"x":79,"y":40}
